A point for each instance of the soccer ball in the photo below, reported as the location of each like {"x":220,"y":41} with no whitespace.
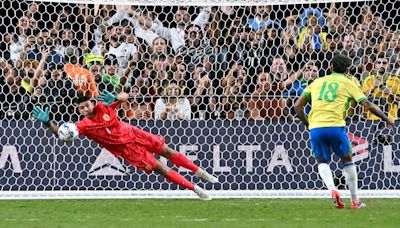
{"x":67,"y":132}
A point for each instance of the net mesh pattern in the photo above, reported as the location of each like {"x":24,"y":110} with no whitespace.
{"x":220,"y":82}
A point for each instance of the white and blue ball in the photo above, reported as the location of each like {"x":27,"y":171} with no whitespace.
{"x":67,"y":132}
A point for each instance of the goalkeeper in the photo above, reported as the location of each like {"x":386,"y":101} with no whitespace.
{"x":101,"y":124}
{"x":329,"y":97}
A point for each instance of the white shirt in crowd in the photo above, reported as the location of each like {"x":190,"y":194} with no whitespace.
{"x":147,"y":35}
{"x":16,"y":48}
{"x":183,"y":106}
{"x":124,"y":53}
{"x":176,"y":35}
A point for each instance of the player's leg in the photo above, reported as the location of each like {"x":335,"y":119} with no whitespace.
{"x":178,"y":179}
{"x":156,"y":144}
{"x":349,"y":169}
{"x":322,"y":153}
{"x":179,"y":159}
{"x":140,"y":158}
{"x":350,"y":175}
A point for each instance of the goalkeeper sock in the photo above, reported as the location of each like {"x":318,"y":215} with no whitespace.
{"x":350,"y":175}
{"x":180,"y":160}
{"x":325,"y":172}
{"x":178,"y":179}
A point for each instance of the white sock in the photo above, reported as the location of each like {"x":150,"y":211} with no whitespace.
{"x":325,"y":172}
{"x":350,"y":175}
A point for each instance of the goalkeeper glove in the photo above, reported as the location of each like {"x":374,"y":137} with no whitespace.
{"x":107,"y":97}
{"x":40,"y":115}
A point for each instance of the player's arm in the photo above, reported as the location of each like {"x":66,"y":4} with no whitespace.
{"x":358,"y":96}
{"x":109,"y":98}
{"x":43,"y":117}
{"x":122,"y":97}
{"x":378,"y":112}
{"x":299,"y":107}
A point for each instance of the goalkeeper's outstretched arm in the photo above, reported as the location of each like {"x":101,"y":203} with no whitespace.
{"x":52,"y":127}
{"x":108,"y":98}
{"x":43,"y":117}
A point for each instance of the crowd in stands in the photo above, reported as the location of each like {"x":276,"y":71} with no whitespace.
{"x":191,"y":62}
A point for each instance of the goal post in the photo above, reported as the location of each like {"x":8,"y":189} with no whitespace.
{"x":240,"y":129}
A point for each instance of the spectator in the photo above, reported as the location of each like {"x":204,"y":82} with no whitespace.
{"x":96,"y":70}
{"x":32,"y":70}
{"x":336,"y":19}
{"x":131,"y":73}
{"x":259,"y":104}
{"x":119,"y":47}
{"x":235,"y":86}
{"x":261,"y":19}
{"x":203,"y":102}
{"x":172,"y":107}
{"x":272,"y":44}
{"x":312,"y":37}
{"x":111,"y":80}
{"x":250,"y":50}
{"x":195,"y":46}
{"x":18,"y":38}
{"x":58,"y":91}
{"x":310,"y":72}
{"x":67,"y":40}
{"x":182,"y":19}
{"x":382,"y":88}
{"x":51,"y":43}
{"x":147,"y":81}
{"x":294,"y":57}
{"x":82,"y":78}
{"x":160,"y":46}
{"x":13,"y":97}
{"x":355,"y":53}
{"x":179,"y":75}
{"x":282,"y":79}
{"x":161,"y":67}
{"x":141,"y":20}
{"x":325,"y":57}
{"x":136,"y":108}
{"x":393,"y":49}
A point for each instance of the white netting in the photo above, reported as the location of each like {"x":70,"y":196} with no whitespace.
{"x":236,"y":69}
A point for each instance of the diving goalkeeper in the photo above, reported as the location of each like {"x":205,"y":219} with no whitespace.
{"x":101,"y":124}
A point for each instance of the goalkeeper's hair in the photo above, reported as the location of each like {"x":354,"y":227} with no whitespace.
{"x":81,"y":99}
{"x":340,"y":63}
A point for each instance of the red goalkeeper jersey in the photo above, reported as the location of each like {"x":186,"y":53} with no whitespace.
{"x":106,"y":129}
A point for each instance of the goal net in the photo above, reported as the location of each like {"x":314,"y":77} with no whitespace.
{"x":218,"y":78}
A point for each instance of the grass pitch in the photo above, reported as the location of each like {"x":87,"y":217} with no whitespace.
{"x":194,"y":213}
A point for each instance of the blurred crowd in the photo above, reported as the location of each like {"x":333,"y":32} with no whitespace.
{"x":191,"y":62}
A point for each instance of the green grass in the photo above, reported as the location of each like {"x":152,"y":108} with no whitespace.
{"x":195,"y":213}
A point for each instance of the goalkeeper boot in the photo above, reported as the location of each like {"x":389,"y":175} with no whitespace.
{"x":202,"y":174}
{"x":336,"y":199}
{"x":203,"y":195}
{"x":358,"y":205}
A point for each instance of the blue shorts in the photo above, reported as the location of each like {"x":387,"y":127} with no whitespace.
{"x":327,"y":139}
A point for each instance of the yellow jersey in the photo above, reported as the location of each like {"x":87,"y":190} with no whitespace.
{"x":393,"y":84}
{"x":330,"y":97}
